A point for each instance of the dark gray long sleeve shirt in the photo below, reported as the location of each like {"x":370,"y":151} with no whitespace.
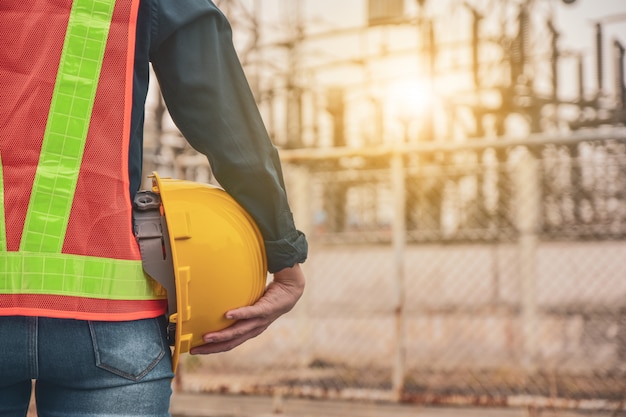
{"x":190,"y":46}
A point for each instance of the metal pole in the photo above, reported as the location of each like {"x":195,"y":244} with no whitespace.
{"x":528,"y":206}
{"x":300,"y":191}
{"x":399,"y":243}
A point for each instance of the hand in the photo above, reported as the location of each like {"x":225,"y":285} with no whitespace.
{"x":279,"y":297}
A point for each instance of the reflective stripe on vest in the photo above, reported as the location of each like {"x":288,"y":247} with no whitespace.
{"x":40,"y":267}
{"x":67,"y":127}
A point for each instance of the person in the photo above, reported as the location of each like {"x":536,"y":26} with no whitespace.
{"x":77,"y":314}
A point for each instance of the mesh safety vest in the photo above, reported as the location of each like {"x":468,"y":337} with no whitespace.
{"x":67,"y":249}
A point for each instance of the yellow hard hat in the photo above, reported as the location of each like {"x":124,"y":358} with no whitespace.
{"x":209,"y":252}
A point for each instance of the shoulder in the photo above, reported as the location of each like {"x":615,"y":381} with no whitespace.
{"x":184,"y":10}
{"x":172,"y":15}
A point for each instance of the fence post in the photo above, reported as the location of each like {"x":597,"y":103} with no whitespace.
{"x":527,"y":187}
{"x":299,"y":188}
{"x":398,"y":188}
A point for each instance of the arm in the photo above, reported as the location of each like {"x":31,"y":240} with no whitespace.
{"x":209,"y":99}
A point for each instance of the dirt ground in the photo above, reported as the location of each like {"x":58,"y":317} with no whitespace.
{"x":217,"y":405}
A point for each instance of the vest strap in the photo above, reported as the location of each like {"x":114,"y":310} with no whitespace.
{"x":68,"y":123}
{"x":75,"y":275}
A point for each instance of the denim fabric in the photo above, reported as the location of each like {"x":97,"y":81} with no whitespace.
{"x":84,"y":368}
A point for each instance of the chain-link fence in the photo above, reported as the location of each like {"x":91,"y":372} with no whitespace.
{"x":478,"y":273}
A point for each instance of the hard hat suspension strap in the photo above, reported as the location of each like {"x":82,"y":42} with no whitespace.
{"x":150,"y":229}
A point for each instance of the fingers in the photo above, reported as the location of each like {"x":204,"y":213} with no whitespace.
{"x":230,"y":337}
{"x":251,"y":321}
{"x":280,"y":297}
{"x":246,"y":313}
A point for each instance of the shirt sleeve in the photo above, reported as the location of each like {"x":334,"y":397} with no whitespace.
{"x":209,"y":99}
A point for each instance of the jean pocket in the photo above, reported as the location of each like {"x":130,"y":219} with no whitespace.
{"x":129,"y":349}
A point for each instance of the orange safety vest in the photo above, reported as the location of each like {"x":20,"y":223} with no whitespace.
{"x":67,"y":247}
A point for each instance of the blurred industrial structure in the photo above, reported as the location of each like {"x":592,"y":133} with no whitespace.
{"x":462,"y":179}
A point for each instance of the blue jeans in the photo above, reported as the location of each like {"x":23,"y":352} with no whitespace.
{"x":84,"y":368}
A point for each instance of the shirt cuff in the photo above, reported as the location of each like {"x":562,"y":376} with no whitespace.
{"x":287,"y":252}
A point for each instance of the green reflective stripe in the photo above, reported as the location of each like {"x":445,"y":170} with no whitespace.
{"x":3,"y":231}
{"x":68,"y":122}
{"x":72,"y":275}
